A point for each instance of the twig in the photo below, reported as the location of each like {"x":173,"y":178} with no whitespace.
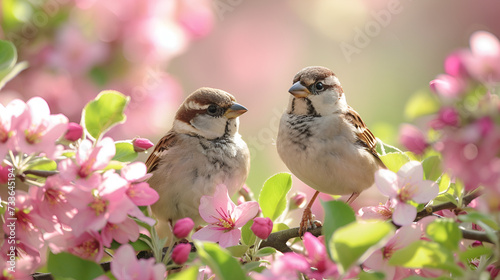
{"x":40,"y":173}
{"x":279,"y":239}
{"x":448,"y":205}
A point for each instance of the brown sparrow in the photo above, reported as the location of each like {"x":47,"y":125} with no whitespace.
{"x":323,"y":141}
{"x":203,"y":149}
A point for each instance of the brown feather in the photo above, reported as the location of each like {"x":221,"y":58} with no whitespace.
{"x":161,"y":147}
{"x":365,"y":136}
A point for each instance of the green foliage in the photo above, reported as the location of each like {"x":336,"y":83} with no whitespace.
{"x":337,"y":215}
{"x":237,"y":251}
{"x":66,"y":265}
{"x":394,"y":161}
{"x":354,"y":242}
{"x":445,"y":232}
{"x":421,"y":104}
{"x":432,"y":168}
{"x":220,"y":261}
{"x":190,"y":273}
{"x":266,"y":251}
{"x":104,"y":112}
{"x":124,"y":152}
{"x":272,"y":197}
{"x":426,"y":254}
{"x":371,"y":275}
{"x":247,"y":236}
{"x":8,"y":58}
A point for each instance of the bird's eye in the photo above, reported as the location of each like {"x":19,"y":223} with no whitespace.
{"x":212,"y":109}
{"x":319,"y":86}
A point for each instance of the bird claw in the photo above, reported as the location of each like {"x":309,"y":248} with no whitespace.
{"x":307,"y":222}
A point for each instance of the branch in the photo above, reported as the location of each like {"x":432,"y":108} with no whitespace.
{"x":279,"y":239}
{"x":448,"y":205}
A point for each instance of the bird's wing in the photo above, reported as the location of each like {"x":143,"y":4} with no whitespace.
{"x":365,"y":136}
{"x":161,"y":148}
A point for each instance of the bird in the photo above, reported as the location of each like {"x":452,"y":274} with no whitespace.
{"x":323,"y":141}
{"x":202,"y":150}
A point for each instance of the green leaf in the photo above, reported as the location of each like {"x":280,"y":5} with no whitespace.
{"x":220,"y":261}
{"x":354,"y":242}
{"x":140,"y":244}
{"x":383,"y":148}
{"x":446,"y":232}
{"x":477,"y":218}
{"x":432,"y":168}
{"x":474,"y":253}
{"x":272,"y":197}
{"x":253,"y":266}
{"x":247,"y":235}
{"x":444,"y":183}
{"x":190,"y":273}
{"x":420,"y":104}
{"x":66,"y":265}
{"x":425,"y":254}
{"x":371,"y":275}
{"x":266,"y":251}
{"x":337,"y":215}
{"x":104,"y":112}
{"x":124,"y":152}
{"x":43,"y":163}
{"x":238,"y":250}
{"x":394,"y":161}
{"x":8,"y":57}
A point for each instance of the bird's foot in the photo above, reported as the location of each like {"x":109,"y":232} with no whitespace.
{"x":307,"y":222}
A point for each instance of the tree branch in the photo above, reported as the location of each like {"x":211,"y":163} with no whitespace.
{"x":448,"y":205}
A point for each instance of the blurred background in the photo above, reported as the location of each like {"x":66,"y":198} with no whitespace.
{"x":159,"y":51}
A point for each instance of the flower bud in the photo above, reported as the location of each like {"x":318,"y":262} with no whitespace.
{"x":298,"y":200}
{"x":74,"y":132}
{"x":180,"y":253}
{"x":413,"y":139}
{"x":183,"y":227}
{"x":262,"y":227}
{"x":141,"y":144}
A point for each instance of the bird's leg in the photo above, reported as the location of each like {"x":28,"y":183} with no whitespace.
{"x":307,"y":216}
{"x":353,"y":196}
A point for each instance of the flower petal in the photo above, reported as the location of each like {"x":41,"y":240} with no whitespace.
{"x":230,"y":238}
{"x":245,"y":212}
{"x":208,"y":233}
{"x":411,"y":172}
{"x":425,"y":191}
{"x":387,"y":182}
{"x":404,"y":214}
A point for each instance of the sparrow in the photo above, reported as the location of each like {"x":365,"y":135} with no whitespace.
{"x":202,"y":150}
{"x":323,"y":141}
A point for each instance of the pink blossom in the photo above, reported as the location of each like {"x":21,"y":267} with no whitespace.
{"x":483,"y":59}
{"x":87,"y":245}
{"x":447,"y":116}
{"x":287,"y":266}
{"x":381,"y":212}
{"x":88,"y":159}
{"x":470,"y":154}
{"x":298,"y":200}
{"x":123,"y":232}
{"x":4,"y":173}
{"x":447,"y":86}
{"x":51,"y":199}
{"x":183,"y":227}
{"x":316,"y":264}
{"x":10,"y":117}
{"x":224,"y":218}
{"x":405,"y":186}
{"x":106,"y":203}
{"x":454,"y":65}
{"x":125,"y":265}
{"x":141,"y":144}
{"x":413,"y":139}
{"x":262,"y":227}
{"x":38,"y":130}
{"x":74,"y":132}
{"x":181,"y":251}
{"x":137,"y":190}
{"x":379,"y":260}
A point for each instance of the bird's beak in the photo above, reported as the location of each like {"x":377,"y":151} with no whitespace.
{"x":299,"y":91}
{"x":235,"y":111}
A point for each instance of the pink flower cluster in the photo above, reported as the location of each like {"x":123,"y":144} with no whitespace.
{"x":82,"y":208}
{"x":467,"y":122}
